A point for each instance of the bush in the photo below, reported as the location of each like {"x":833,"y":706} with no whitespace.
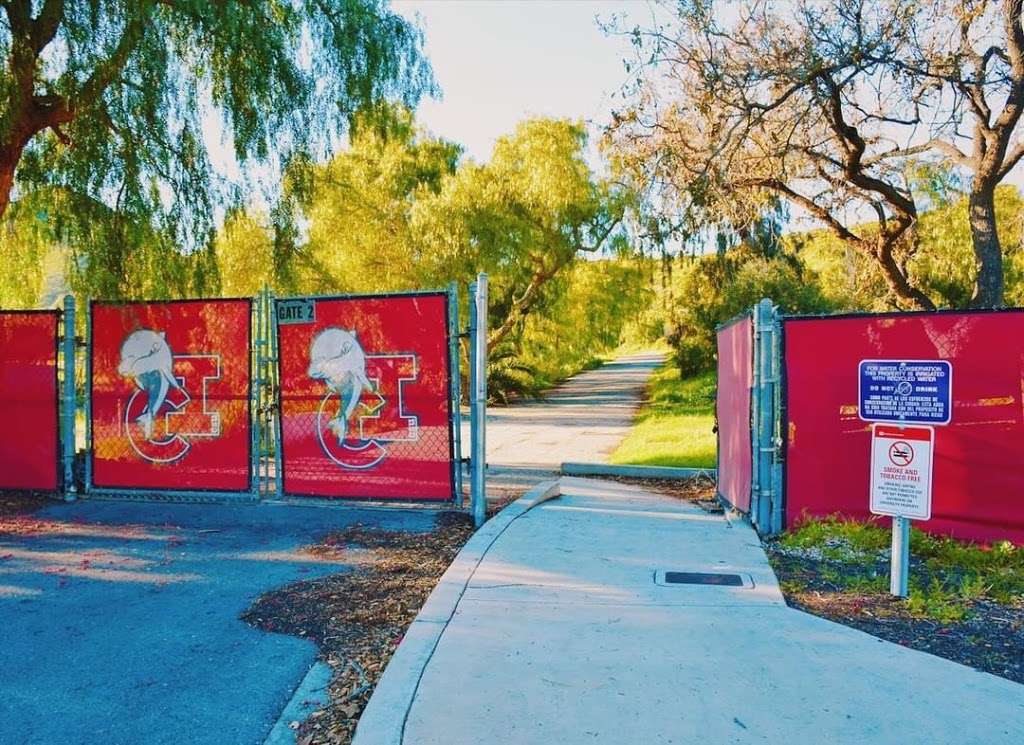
{"x":693,"y":355}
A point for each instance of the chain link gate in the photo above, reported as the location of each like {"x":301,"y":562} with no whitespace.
{"x":364,"y":403}
{"x":335,"y":397}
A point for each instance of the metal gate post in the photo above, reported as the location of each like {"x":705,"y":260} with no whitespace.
{"x":478,"y":402}
{"x":778,"y":427}
{"x":70,"y":408}
{"x":765,"y":508}
{"x":274,"y":393}
{"x":88,"y":399}
{"x":755,"y":417}
{"x":256,"y":357}
{"x":456,"y":387}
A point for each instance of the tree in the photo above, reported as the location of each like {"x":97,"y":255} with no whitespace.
{"x":524,"y":217}
{"x":105,"y":99}
{"x":361,"y":207}
{"x":945,"y":266}
{"x":966,"y":65}
{"x":732,"y":114}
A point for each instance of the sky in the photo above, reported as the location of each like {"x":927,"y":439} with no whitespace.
{"x":501,"y":61}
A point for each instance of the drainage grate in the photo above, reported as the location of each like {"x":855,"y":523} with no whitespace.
{"x":703,"y":578}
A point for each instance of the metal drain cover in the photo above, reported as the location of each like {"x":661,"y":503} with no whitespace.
{"x":713,"y":579}
{"x":703,"y":578}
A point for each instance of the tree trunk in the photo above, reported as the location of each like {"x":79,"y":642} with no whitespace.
{"x":898,"y":282}
{"x":988,"y":287}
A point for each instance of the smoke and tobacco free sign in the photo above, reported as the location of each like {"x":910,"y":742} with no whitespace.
{"x":901,"y":471}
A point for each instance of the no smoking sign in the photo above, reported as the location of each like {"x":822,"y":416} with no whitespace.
{"x":901,"y":471}
{"x":901,"y":453}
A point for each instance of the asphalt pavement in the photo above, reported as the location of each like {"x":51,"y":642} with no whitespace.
{"x":119,"y":621}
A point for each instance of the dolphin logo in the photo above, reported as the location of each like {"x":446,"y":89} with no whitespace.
{"x":146,"y":358}
{"x":336,"y":358}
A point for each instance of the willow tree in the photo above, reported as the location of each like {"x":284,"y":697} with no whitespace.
{"x":105,"y":101}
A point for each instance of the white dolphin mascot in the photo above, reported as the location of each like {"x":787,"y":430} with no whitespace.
{"x":146,"y":358}
{"x":336,"y":358}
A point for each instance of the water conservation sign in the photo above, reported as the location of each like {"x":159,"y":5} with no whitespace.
{"x":906,"y":391}
{"x":901,"y":471}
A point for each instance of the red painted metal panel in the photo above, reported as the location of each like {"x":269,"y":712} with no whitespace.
{"x":365,"y":411}
{"x":732,"y":407}
{"x":29,"y":442}
{"x":170,"y":395}
{"x":978,"y":491}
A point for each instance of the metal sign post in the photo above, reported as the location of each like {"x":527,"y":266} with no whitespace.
{"x":899,"y":570}
{"x":478,"y":394}
{"x":901,"y":487}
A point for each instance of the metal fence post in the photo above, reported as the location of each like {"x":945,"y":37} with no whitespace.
{"x":764,"y":424}
{"x":478,"y":403}
{"x":274,"y":395}
{"x":256,"y":357}
{"x":755,"y":417}
{"x":779,"y":428}
{"x":70,"y":408}
{"x":456,"y":388}
{"x":88,"y":399}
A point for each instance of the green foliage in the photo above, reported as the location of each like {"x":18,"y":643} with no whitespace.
{"x":588,"y":313}
{"x":399,"y":210}
{"x":708,"y":290}
{"x":108,"y":132}
{"x":24,"y":247}
{"x":943,"y":264}
{"x":508,"y":377}
{"x":675,"y":425}
{"x":946,"y":575}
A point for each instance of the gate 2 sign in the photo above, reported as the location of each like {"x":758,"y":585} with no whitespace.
{"x":170,"y":395}
{"x":365,"y":397}
{"x":908,"y":391}
{"x":901,"y":471}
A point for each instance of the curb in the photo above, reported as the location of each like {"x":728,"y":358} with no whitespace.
{"x":311,"y":694}
{"x":636,"y":472}
{"x":383,"y":720}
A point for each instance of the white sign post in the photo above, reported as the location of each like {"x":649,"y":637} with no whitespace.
{"x":901,"y":486}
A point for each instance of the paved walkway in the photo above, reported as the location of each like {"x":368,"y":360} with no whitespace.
{"x":562,"y":635}
{"x":119,"y":622}
{"x":584,"y":419}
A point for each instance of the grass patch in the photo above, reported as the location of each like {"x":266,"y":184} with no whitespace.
{"x":674,"y":427}
{"x":946,"y":576}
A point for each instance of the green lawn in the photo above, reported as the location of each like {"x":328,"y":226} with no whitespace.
{"x":674,"y":426}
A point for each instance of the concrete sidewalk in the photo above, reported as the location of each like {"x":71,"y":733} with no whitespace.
{"x":551,"y":628}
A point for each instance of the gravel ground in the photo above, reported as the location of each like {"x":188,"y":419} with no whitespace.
{"x":990,"y":638}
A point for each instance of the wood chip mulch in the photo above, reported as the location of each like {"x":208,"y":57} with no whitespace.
{"x":22,"y":503}
{"x":990,"y":638}
{"x":359,"y":617}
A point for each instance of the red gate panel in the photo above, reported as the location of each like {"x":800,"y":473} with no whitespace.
{"x":732,"y":410}
{"x":978,"y":479}
{"x":365,"y":405}
{"x":170,"y":395}
{"x":29,"y":441}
